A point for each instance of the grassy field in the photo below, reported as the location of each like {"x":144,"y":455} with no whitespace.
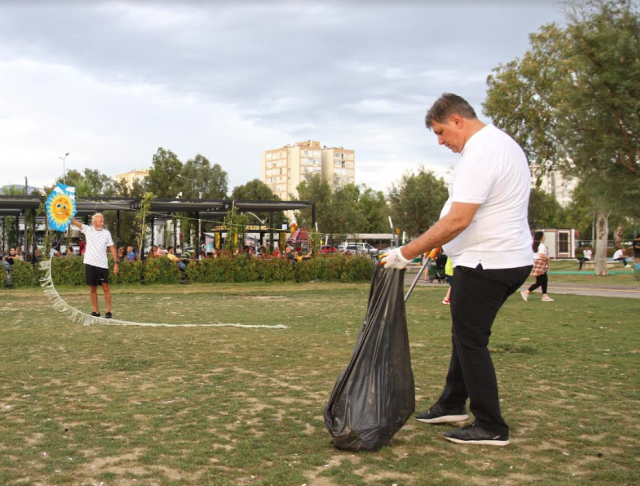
{"x":227,"y":406}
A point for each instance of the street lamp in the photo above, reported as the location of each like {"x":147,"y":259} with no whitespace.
{"x":64,"y":170}
{"x":193,"y":190}
{"x":261,"y":221}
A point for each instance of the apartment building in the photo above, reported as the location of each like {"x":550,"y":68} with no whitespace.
{"x":555,"y":183}
{"x":285,"y":167}
{"x":131,"y":176}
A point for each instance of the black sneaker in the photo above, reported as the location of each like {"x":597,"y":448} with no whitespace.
{"x":437,"y":415}
{"x":472,"y":434}
{"x":108,"y":315}
{"x":95,"y":314}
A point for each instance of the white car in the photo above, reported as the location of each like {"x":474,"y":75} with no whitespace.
{"x":357,"y":248}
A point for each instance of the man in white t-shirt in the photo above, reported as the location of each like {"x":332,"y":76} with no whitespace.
{"x":96,"y":262}
{"x":484,"y":230}
{"x":621,"y":256}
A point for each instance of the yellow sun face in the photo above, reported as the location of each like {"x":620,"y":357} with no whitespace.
{"x":61,"y":208}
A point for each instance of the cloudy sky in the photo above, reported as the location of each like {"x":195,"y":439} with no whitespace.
{"x":113,"y":81}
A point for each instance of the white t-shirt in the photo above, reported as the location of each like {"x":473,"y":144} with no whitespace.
{"x":588,"y":254}
{"x":97,"y":243}
{"x":493,"y":172}
{"x":618,"y":254}
{"x":543,"y":251}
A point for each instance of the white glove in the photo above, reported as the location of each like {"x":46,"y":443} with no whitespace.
{"x":394,"y":260}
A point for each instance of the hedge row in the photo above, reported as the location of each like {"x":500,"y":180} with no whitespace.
{"x":334,"y":268}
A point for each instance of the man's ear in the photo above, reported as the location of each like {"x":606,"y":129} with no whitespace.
{"x":456,"y":120}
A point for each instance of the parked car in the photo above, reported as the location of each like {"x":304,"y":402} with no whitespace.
{"x":328,"y":249}
{"x":357,"y":248}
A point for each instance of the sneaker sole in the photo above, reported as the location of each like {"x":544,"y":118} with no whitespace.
{"x":445,"y":419}
{"x":499,"y":443}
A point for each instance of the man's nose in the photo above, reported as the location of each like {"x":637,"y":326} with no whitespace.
{"x":440,"y":140}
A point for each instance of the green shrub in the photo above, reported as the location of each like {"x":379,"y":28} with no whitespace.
{"x":3,"y":277}
{"x":161,"y":270}
{"x":357,"y":269}
{"x":302,"y":271}
{"x":68,"y":271}
{"x":275,"y":270}
{"x":22,"y":274}
{"x":334,"y":267}
{"x":225,"y":269}
{"x":128,"y":272}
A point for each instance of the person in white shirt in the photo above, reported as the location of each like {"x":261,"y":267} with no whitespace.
{"x":484,"y":229}
{"x":621,"y":256}
{"x":587,"y":255}
{"x":540,"y":267}
{"x":95,"y":260}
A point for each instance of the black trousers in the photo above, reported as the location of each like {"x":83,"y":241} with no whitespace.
{"x":541,"y":281}
{"x":476,"y":297}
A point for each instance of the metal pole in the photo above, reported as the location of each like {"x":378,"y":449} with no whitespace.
{"x":153,"y":230}
{"x":415,"y":281}
{"x":35,"y":241}
{"x":117,"y":229}
{"x":313,"y":214}
{"x":26,"y":241}
{"x":270,"y":231}
{"x":198,"y":238}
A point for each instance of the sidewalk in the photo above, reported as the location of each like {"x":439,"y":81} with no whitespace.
{"x":594,"y":290}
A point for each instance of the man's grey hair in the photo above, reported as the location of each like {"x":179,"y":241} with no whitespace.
{"x":93,"y":218}
{"x":446,"y":106}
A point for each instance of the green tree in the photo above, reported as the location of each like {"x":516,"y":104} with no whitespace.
{"x":416,"y":201}
{"x":375,"y":210}
{"x":198,"y":176}
{"x":256,"y":190}
{"x":544,"y":210}
{"x":163,"y":178}
{"x":89,"y":183}
{"x":316,"y":189}
{"x":572,"y":102}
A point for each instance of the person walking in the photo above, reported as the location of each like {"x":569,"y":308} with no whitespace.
{"x":95,"y":260}
{"x":540,"y":268}
{"x":484,"y":229}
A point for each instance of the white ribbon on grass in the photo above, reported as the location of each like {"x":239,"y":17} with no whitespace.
{"x":80,"y":317}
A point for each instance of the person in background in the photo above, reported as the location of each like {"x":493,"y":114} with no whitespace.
{"x":448,"y":271}
{"x":82,"y":246}
{"x":121,"y":254}
{"x":587,"y":255}
{"x":131,"y":256}
{"x":9,"y":259}
{"x":540,"y":267}
{"x":636,"y":251}
{"x":621,"y":256}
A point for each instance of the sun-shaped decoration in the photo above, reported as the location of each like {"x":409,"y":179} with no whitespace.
{"x":61,"y":207}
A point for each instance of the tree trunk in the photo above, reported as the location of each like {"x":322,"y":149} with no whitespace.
{"x":617,"y":236}
{"x":602,"y":236}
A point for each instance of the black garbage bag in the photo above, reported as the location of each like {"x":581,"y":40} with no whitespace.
{"x":375,"y":395}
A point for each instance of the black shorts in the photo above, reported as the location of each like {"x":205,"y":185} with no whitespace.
{"x":96,"y":275}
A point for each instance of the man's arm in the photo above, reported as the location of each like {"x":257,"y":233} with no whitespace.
{"x":114,"y":254}
{"x":446,"y":229}
{"x":76,"y":223}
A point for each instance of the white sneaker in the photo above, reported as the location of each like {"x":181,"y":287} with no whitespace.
{"x":547,"y":299}
{"x":525,"y":296}
{"x":627,"y":266}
